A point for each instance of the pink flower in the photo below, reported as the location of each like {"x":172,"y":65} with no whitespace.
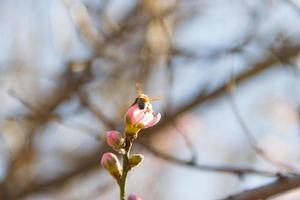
{"x":111,"y":163}
{"x":114,"y":139}
{"x":137,"y":118}
{"x":134,"y":197}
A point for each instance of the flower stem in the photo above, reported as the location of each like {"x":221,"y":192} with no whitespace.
{"x":122,"y":183}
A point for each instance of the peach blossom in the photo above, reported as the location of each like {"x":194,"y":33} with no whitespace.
{"x":137,"y":119}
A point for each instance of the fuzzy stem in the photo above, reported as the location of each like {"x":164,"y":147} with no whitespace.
{"x":122,"y":183}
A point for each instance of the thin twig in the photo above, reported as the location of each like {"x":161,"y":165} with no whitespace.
{"x":293,"y":5}
{"x":86,"y":102}
{"x":246,"y":130}
{"x":213,"y":168}
{"x":253,"y":142}
{"x":282,"y":184}
{"x":187,"y":140}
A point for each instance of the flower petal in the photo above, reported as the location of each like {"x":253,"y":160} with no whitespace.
{"x":148,"y":117}
{"x":155,"y":120}
{"x":138,"y":116}
{"x":134,"y":114}
{"x":114,"y":138}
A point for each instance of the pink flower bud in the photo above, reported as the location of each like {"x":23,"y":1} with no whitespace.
{"x":111,"y":163}
{"x":134,"y":197}
{"x":115,"y":139}
{"x":137,"y":119}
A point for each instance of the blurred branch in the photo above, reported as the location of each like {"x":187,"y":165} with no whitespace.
{"x":245,"y":128}
{"x":252,"y":140}
{"x":238,"y":47}
{"x":25,"y":103}
{"x":81,"y":17}
{"x":69,"y":84}
{"x":187,"y":141}
{"x":282,"y":184}
{"x":284,"y":54}
{"x":87,"y":164}
{"x":240,"y":171}
{"x":293,"y":5}
{"x":168,"y":86}
{"x":86,"y":102}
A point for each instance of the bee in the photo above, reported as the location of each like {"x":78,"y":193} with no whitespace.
{"x":143,"y":100}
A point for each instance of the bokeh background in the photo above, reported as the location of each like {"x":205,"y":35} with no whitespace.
{"x":227,"y":73}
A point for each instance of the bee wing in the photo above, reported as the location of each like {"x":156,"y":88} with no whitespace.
{"x":155,"y":98}
{"x":139,"y":88}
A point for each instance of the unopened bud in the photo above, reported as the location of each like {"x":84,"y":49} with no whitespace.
{"x":135,"y":160}
{"x":111,"y":163}
{"x":115,"y":139}
{"x":134,"y":197}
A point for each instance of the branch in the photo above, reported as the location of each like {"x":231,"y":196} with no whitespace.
{"x":189,"y":144}
{"x":89,"y":163}
{"x":253,"y":141}
{"x":240,"y":171}
{"x":282,"y":184}
{"x":284,"y":54}
{"x":69,"y":84}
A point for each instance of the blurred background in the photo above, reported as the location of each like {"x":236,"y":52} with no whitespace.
{"x":227,"y":73}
